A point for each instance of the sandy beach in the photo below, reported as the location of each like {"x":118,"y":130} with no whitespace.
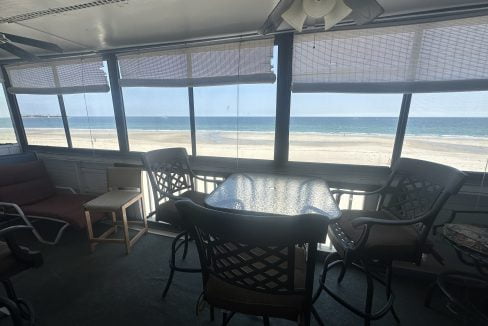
{"x":467,"y":153}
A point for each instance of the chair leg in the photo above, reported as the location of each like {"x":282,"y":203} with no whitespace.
{"x":306,"y":318}
{"x":345,"y":264}
{"x":330,"y":257}
{"x":369,"y":296}
{"x":13,"y":311}
{"x":185,"y":249}
{"x":22,"y":308}
{"x":430,"y":293}
{"x":212,"y":313}
{"x":388,"y":291}
{"x":114,"y":221}
{"x":126,"y":230}
{"x":175,"y":245}
{"x":265,"y":320}
{"x":317,"y":317}
{"x":168,"y":283}
{"x":171,"y":266}
{"x":227,"y":317}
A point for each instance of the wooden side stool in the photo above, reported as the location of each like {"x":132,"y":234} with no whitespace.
{"x":124,"y":189}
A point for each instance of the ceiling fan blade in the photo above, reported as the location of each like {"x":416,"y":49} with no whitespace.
{"x":15,"y":50}
{"x":364,"y":11}
{"x":274,"y":19}
{"x":295,"y":16}
{"x":340,"y":11}
{"x":32,"y":42}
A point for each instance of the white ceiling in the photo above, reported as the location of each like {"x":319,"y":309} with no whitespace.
{"x":137,"y":22}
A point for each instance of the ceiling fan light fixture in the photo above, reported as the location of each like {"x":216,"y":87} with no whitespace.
{"x":318,"y":8}
{"x":295,"y":16}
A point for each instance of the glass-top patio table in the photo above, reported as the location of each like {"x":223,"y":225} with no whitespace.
{"x":259,"y":193}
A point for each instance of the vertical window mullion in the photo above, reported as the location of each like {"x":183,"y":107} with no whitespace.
{"x":118,"y":103}
{"x":401,"y":127}
{"x":283,"y":97}
{"x":14,"y":111}
{"x":62,"y":108}
{"x":192,"y":121}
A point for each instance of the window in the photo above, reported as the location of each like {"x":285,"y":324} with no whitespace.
{"x":7,"y":133}
{"x":157,"y":117}
{"x":449,"y":128}
{"x":343,"y":128}
{"x":91,"y":120}
{"x":42,"y":120}
{"x":230,"y":121}
{"x":236,"y":120}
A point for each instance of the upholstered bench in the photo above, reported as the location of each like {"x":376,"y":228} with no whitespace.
{"x":26,"y":190}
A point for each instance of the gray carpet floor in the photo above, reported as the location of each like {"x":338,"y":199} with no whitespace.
{"x":107,"y":287}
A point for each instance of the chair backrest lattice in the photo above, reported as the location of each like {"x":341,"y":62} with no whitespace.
{"x":169,"y":172}
{"x":255,"y":267}
{"x":258,"y":253}
{"x":419,"y":189}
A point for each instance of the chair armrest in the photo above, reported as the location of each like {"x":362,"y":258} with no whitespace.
{"x":379,"y":221}
{"x":13,"y":229}
{"x":22,"y":254}
{"x":352,"y":192}
{"x":66,"y":188}
{"x":168,"y":195}
{"x":16,"y":207}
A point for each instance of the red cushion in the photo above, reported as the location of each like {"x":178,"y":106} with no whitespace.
{"x":25,"y":183}
{"x":64,"y":206}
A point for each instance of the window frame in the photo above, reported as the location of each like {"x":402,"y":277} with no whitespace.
{"x":282,"y":118}
{"x":9,"y":112}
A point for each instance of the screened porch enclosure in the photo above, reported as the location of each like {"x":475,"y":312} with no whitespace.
{"x":342,"y":106}
{"x":357,"y":97}
{"x":360,"y":98}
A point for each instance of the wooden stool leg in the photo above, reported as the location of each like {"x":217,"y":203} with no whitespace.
{"x":126,"y":229}
{"x":114,"y":221}
{"x":89,"y":230}
{"x":141,"y":208}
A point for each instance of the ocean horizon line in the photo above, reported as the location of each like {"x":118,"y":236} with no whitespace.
{"x":446,"y":126}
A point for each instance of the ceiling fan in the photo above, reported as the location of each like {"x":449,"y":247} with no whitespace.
{"x":295,"y":13}
{"x":7,"y":40}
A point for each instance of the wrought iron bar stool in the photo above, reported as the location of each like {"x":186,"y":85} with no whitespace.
{"x":171,"y":179}
{"x":466,"y":291}
{"x":397,"y":230}
{"x":256,"y":265}
{"x":13,"y":260}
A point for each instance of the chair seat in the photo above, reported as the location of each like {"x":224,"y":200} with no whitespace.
{"x":167,"y":212}
{"x":63,"y":206}
{"x":111,"y":201}
{"x":385,"y":242}
{"x":9,"y":266}
{"x":222,"y":294}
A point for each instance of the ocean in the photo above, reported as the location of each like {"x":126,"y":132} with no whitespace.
{"x":471,"y":127}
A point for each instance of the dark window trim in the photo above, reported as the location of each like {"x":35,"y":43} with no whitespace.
{"x":15,"y":115}
{"x":62,"y":109}
{"x":283,"y":98}
{"x":118,"y":102}
{"x":191,"y":108}
{"x":401,"y":127}
{"x":282,"y":121}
